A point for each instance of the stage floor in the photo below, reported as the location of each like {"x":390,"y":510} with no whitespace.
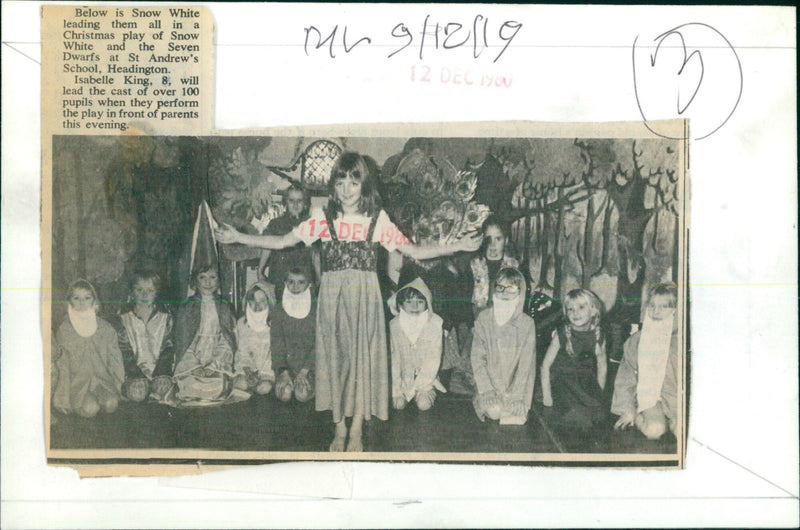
{"x":265,"y":424}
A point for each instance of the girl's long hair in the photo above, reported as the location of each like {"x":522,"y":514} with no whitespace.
{"x":593,"y":300}
{"x":505,"y":229}
{"x":352,"y":165}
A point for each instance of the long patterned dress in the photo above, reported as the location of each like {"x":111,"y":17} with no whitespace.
{"x":351,"y":375}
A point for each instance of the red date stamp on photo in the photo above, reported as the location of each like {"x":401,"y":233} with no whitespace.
{"x":447,"y":75}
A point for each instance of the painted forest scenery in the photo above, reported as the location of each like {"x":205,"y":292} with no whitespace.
{"x":599,"y":214}
{"x":602,"y":215}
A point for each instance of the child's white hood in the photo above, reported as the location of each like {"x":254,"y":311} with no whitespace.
{"x":412,"y":325}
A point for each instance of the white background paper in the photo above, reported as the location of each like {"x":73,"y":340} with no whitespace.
{"x":567,"y":63}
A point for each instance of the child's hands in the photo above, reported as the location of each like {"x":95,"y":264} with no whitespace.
{"x":471,"y":243}
{"x":625,"y":421}
{"x":226,"y":234}
{"x":161,"y":385}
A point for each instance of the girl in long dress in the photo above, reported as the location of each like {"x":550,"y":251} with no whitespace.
{"x":351,"y":367}
{"x":574,"y":367}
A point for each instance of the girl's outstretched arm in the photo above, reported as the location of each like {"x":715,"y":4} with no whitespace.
{"x":227,"y":234}
{"x":430,"y":251}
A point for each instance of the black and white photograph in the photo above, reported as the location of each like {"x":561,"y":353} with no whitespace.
{"x":285,"y":265}
{"x":418,"y":297}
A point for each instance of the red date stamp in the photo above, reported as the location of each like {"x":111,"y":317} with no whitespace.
{"x":446,"y":75}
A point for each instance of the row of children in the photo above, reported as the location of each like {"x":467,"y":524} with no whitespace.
{"x":202,"y":356}
{"x":91,"y":375}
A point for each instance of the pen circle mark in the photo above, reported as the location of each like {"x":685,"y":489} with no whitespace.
{"x":726,"y":80}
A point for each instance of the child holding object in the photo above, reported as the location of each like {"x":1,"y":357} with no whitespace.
{"x":293,"y":332}
{"x":504,"y":353}
{"x":145,"y":340}
{"x":205,"y":336}
{"x":416,"y":340}
{"x":646,"y":387}
{"x":87,"y":360}
{"x":204,"y":342}
{"x":253,"y":360}
{"x":351,"y":368}
{"x":574,"y":367}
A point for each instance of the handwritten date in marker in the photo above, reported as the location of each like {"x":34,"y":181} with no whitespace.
{"x":690,"y":71}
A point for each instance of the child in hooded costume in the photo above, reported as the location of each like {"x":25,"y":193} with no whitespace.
{"x":204,"y":343}
{"x":416,"y":346}
{"x":504,"y":353}
{"x":205,"y":338}
{"x":293,"y":337}
{"x":253,"y":360}
{"x":646,"y":387}
{"x":88,"y":371}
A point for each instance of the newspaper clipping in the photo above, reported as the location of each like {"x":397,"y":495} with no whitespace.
{"x":487,"y":292}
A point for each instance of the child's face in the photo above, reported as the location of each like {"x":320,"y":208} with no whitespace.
{"x":414,"y":305}
{"x":661,"y":308}
{"x":506,"y":290}
{"x":259,"y":302}
{"x":495,"y":243}
{"x":81,"y":299}
{"x":207,"y":282}
{"x":579,"y":312}
{"x":295,"y":203}
{"x":296,"y":283}
{"x":144,"y":292}
{"x":348,"y":192}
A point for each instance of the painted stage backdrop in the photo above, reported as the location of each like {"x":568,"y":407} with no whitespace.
{"x":595,"y":213}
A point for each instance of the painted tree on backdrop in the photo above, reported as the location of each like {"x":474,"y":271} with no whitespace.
{"x":597,"y":214}
{"x":594,"y":213}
